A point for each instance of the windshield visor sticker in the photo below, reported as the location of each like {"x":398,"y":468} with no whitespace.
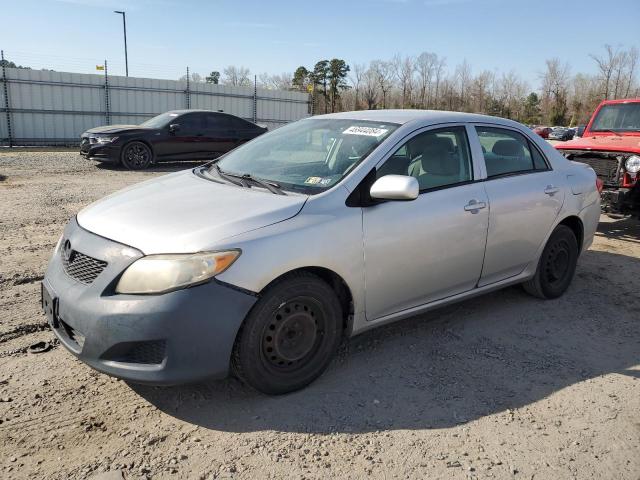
{"x":366,"y":131}
{"x":326,"y":181}
{"x":313,"y":180}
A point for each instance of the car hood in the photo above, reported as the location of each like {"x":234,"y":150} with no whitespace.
{"x":616,"y":143}
{"x":184,"y":213}
{"x":116,"y":129}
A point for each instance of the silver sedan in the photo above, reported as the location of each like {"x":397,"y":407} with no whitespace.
{"x":260,"y":262}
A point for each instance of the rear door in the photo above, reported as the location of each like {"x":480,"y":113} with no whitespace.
{"x":221,"y":135}
{"x":245,"y":131}
{"x":525,"y":197}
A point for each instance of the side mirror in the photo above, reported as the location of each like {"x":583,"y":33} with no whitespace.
{"x":174,"y":127}
{"x":580,"y":131}
{"x":395,"y":187}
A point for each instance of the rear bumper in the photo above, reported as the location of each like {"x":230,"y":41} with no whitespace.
{"x":178,"y":337}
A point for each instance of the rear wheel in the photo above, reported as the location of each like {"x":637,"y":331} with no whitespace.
{"x":136,"y":156}
{"x":290,"y":335}
{"x":556,"y":266}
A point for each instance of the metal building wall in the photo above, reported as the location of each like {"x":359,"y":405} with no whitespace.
{"x":48,"y":108}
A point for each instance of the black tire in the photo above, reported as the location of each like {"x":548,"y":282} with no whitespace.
{"x":290,"y":336}
{"x":556,"y":266}
{"x":136,"y":156}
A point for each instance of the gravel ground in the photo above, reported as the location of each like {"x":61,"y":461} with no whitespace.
{"x":502,"y":386}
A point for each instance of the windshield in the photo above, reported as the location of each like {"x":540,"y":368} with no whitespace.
{"x":160,"y":121}
{"x":309,"y":155}
{"x":622,"y":117}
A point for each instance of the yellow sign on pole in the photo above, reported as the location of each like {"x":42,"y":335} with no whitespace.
{"x":310,"y":88}
{"x":99,"y":67}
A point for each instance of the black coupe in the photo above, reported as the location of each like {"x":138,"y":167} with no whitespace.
{"x":175,"y":135}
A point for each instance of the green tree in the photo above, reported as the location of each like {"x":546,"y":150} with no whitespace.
{"x":337,"y":76}
{"x":532,"y":109}
{"x":558,"y":114}
{"x":10,"y":64}
{"x":321,"y":77}
{"x":213,"y":77}
{"x":301,"y":78}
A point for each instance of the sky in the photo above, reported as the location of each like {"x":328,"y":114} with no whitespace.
{"x":166,"y":36}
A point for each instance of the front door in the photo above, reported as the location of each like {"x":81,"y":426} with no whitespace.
{"x":187,"y":141}
{"x":432,"y":247}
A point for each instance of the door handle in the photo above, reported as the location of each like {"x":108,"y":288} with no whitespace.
{"x":551,"y":190}
{"x":473,"y":206}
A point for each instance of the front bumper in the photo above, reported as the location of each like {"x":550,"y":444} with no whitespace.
{"x":621,"y":200}
{"x":106,"y":152}
{"x":179,"y":337}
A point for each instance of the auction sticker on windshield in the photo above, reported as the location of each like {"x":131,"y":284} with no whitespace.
{"x":368,"y":131}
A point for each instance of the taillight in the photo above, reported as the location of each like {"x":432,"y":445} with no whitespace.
{"x":599,"y":185}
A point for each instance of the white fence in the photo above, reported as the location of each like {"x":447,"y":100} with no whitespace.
{"x":40,"y":107}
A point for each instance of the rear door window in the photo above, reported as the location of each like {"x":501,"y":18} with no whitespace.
{"x":507,"y":152}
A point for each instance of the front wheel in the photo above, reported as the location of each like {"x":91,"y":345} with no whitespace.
{"x":136,"y":156}
{"x":290,"y":335}
{"x":556,"y":266}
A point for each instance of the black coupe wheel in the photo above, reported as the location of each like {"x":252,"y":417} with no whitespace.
{"x":290,"y":335}
{"x":556,"y":266}
{"x":136,"y":156}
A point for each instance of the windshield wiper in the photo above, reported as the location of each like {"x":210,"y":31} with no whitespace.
{"x":246,"y":177}
{"x":271,"y":186}
{"x":229,"y":177}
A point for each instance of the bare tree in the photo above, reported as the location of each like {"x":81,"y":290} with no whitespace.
{"x":282,"y":81}
{"x":356,"y":78}
{"x":236,"y":76}
{"x":383,"y":73}
{"x":554,"y":90}
{"x":403,"y":69}
{"x":370,"y":88}
{"x":463,"y":78}
{"x":631,"y":70}
{"x":606,"y":64}
{"x":439,"y":71}
{"x":425,"y":66}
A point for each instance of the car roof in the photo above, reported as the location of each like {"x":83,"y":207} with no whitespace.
{"x":424,"y":116}
{"x":192,"y":110}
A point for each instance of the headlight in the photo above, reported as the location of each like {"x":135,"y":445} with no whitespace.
{"x":164,"y":273}
{"x":106,"y":139}
{"x":632,"y":165}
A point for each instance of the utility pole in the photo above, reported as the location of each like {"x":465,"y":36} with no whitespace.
{"x":124,"y":26}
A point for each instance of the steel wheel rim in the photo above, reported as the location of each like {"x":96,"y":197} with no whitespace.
{"x":293,"y":334}
{"x":137,"y":155}
{"x":557,"y":262}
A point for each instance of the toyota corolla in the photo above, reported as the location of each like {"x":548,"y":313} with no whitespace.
{"x":262,"y":261}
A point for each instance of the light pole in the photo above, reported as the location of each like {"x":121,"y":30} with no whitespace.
{"x":124,"y":25}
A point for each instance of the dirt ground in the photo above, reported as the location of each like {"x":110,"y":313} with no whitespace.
{"x":502,"y":386}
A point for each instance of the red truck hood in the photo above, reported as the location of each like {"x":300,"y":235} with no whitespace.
{"x":609,"y":143}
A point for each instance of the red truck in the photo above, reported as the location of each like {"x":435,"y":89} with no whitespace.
{"x":610,"y":144}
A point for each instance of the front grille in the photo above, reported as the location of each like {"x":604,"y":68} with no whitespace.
{"x":604,"y":167}
{"x":607,"y":165}
{"x":81,"y":267}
